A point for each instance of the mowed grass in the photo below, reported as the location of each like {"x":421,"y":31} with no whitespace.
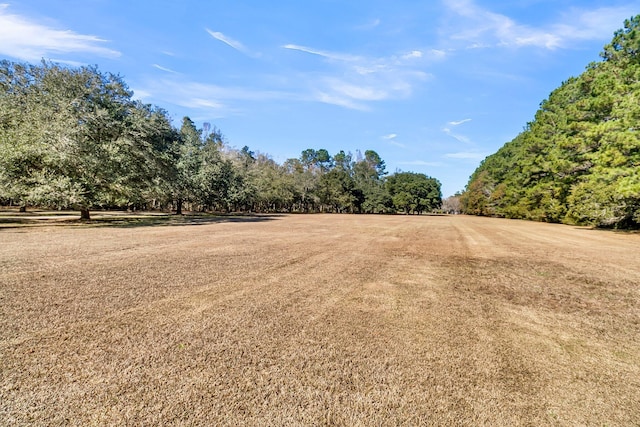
{"x":319,"y":320}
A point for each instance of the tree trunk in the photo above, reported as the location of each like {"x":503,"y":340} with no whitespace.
{"x":84,"y":214}
{"x":179,"y":207}
{"x":23,"y":209}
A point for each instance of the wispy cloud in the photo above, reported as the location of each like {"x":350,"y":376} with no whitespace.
{"x":458,"y":122}
{"x":597,"y":24}
{"x":141,"y":93}
{"x":196,"y":102}
{"x":218,"y":101}
{"x":168,"y":70}
{"x":23,"y":38}
{"x":482,"y":28}
{"x":456,"y":136}
{"x":361,"y":92}
{"x":341,"y":101}
{"x":391,"y":139}
{"x":227,"y":40}
{"x":325,"y":54}
{"x":231,"y":42}
{"x":413,"y":54}
{"x":355,"y":81}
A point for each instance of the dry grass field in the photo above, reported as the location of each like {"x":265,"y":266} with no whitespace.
{"x":318,"y":320}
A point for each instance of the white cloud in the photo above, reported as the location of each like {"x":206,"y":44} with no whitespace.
{"x":340,"y":101}
{"x":141,"y":94}
{"x":324,"y":54}
{"x":482,"y":28}
{"x":352,"y":90}
{"x":596,"y":24}
{"x":345,"y":84}
{"x":217,"y":100}
{"x":227,"y":40}
{"x":364,"y":70}
{"x":231,"y":42}
{"x":168,"y":70}
{"x":391,"y":139}
{"x":357,"y":92}
{"x":457,"y":137}
{"x":23,"y":38}
{"x":459,"y":122}
{"x":354,"y":80}
{"x":205,"y":103}
{"x":413,"y":54}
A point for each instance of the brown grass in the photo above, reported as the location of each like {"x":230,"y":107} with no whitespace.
{"x":319,"y":320}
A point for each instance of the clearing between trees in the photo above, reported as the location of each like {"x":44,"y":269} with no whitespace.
{"x":319,"y":320}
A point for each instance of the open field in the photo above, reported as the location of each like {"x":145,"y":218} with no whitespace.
{"x":319,"y":320}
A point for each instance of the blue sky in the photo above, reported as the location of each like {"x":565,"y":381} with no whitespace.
{"x":432,"y":86}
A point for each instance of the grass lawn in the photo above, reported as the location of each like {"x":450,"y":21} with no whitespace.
{"x":347,"y":320}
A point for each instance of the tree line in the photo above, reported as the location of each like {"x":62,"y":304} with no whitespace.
{"x":578,"y":161}
{"x":74,"y":138}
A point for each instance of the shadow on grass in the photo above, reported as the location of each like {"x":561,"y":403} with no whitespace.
{"x":134,"y":221}
{"x":175,"y":220}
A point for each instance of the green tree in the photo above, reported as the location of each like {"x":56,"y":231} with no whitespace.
{"x":73,"y":137}
{"x":275,"y":188}
{"x":188,"y":160}
{"x":368,"y":173}
{"x":625,"y":45}
{"x":578,"y":160}
{"x":414,"y":192}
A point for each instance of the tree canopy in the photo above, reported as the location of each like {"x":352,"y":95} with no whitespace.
{"x":75,"y":138}
{"x":413,"y":192}
{"x":578,"y":161}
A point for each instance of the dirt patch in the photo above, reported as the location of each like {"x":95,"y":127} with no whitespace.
{"x":320,"y":320}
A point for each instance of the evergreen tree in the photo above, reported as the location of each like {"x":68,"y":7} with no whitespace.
{"x":578,"y":161}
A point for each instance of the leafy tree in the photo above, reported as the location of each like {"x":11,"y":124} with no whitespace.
{"x":75,"y":138}
{"x":187,"y":163}
{"x":275,"y":188}
{"x":414,"y":192}
{"x":337,"y":191}
{"x":218,"y":177}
